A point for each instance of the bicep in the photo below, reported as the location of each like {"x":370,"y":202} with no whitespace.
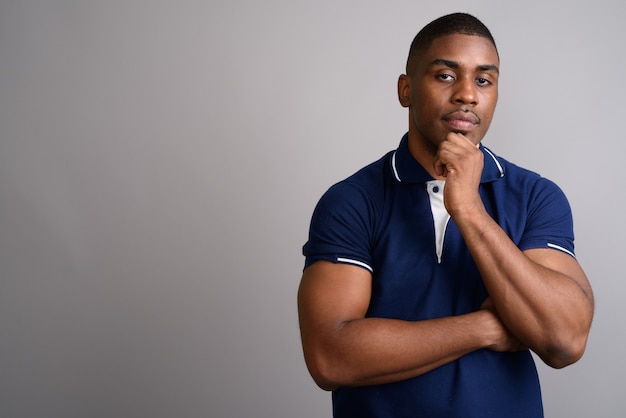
{"x":562,"y":263}
{"x":331,"y":294}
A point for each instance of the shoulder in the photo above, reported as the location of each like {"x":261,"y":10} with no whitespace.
{"x":367,"y":185}
{"x":355,"y":203}
{"x":526,"y":182}
{"x":346,"y":215}
{"x":537,"y":205}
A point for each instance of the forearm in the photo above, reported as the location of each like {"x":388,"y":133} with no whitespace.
{"x":547,"y":310}
{"x":371,"y":351}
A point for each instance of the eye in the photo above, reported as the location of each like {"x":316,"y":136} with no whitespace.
{"x":445,"y":77}
{"x":482,"y":81}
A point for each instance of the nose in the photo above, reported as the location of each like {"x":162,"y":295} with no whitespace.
{"x":465,"y":92}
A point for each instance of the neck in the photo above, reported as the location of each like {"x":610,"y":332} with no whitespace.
{"x":423,"y":151}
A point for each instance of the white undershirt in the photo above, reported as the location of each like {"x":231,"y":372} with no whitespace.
{"x":440,"y":214}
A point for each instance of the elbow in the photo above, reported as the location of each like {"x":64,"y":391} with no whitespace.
{"x":322,"y":372}
{"x":328,"y":372}
{"x":562,"y":344}
{"x":562,"y":353}
{"x":324,"y":383}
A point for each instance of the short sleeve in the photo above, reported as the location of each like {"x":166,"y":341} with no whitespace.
{"x":341,"y":226}
{"x":549,"y":223}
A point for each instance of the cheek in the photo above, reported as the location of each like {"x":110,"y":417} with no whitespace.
{"x":487,"y":112}
{"x":491,"y":101}
{"x":423,"y":116}
{"x":489,"y":107}
{"x":429,"y":106}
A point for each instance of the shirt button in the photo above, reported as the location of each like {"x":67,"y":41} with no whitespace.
{"x":436,"y":189}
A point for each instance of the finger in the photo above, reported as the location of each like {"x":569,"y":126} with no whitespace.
{"x":461,"y":135}
{"x":440,"y":168}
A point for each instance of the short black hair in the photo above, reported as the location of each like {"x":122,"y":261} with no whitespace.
{"x":455,"y":23}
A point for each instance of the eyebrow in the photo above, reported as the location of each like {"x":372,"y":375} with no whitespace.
{"x":454,"y":64}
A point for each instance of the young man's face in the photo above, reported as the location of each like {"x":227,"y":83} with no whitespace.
{"x":453,"y":89}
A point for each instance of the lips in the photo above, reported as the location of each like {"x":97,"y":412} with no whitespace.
{"x":461,"y":120}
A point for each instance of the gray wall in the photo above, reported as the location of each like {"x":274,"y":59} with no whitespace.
{"x":159,"y":162}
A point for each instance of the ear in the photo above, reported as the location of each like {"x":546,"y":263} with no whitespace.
{"x":404,"y":90}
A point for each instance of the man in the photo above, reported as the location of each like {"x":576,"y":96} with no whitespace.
{"x":432,"y":272}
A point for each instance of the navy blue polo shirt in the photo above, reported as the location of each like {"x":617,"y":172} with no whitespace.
{"x":389,"y":219}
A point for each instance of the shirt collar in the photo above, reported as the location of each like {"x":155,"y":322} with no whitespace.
{"x":406,"y":169}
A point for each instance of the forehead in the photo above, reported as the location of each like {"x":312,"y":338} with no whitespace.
{"x":470,"y":51}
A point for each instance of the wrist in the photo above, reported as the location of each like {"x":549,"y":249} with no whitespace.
{"x":473,"y":213}
{"x":488,"y":328}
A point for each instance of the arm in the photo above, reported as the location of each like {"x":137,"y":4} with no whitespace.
{"x":344,"y":348}
{"x":541,"y":295}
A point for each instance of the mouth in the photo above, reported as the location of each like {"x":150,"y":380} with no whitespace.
{"x":461,"y":120}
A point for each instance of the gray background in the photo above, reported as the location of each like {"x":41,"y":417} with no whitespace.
{"x":160,"y":160}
